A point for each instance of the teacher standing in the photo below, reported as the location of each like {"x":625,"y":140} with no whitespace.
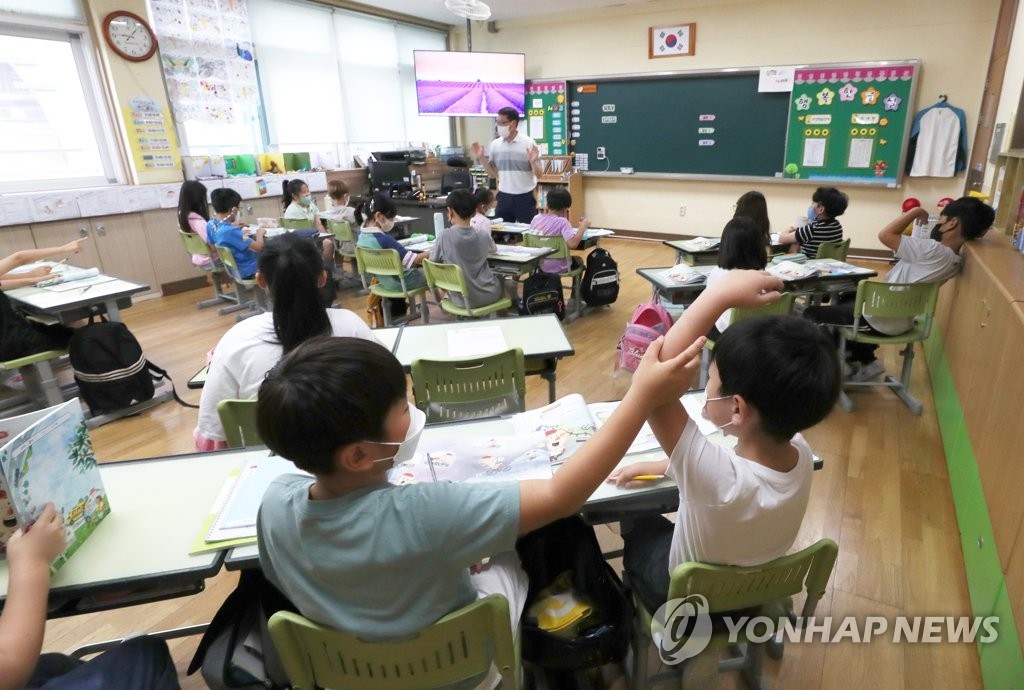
{"x":514,"y":159}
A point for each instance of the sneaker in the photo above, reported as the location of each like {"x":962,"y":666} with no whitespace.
{"x":849,"y":369}
{"x":14,"y":382}
{"x":868,"y":371}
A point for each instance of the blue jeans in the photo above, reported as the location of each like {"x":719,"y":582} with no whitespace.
{"x":520,"y":208}
{"x":141,"y":663}
{"x":646,"y":541}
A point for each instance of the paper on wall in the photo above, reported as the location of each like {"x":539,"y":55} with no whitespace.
{"x":101,"y":202}
{"x":15,"y":210}
{"x":54,"y":207}
{"x":143,"y":198}
{"x":317,"y":181}
{"x":168,"y":194}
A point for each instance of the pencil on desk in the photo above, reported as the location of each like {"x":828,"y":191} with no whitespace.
{"x":398,"y":338}
{"x":647,"y":477}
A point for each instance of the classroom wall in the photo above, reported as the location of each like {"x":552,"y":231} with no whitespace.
{"x":953,"y":38}
{"x":1013,"y":81}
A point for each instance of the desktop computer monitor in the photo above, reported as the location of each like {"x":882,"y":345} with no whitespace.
{"x":392,"y":176}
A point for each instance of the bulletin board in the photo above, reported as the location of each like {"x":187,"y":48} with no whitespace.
{"x":546,"y":116}
{"x":849,"y":123}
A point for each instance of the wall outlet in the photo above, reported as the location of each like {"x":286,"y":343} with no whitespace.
{"x":682,"y":211}
{"x":601,"y":155}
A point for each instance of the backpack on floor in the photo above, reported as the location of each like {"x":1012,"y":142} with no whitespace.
{"x":542,"y":294}
{"x":649,"y":321}
{"x":600,"y":279}
{"x":110,"y":368}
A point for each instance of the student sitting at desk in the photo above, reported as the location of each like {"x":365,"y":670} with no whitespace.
{"x":20,"y":337}
{"x":377,"y":216}
{"x":359,"y":554}
{"x":140,"y":663}
{"x":468,"y":247}
{"x":742,"y":247}
{"x":484,"y":200}
{"x":935,"y":259}
{"x":752,"y":205}
{"x":555,"y":221}
{"x":194,"y":216}
{"x":337,"y":192}
{"x":828,"y":204}
{"x":223,"y":232}
{"x":298,"y":205}
{"x":770,"y":378}
{"x":291,"y":270}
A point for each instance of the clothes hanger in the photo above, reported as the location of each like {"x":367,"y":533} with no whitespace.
{"x":943,"y":101}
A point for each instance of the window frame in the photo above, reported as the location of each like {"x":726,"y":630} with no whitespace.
{"x":94,"y":92}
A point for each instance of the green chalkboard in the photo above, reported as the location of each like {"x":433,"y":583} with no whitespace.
{"x":699,"y":124}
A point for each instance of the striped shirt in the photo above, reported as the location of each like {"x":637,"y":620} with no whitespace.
{"x":811,"y":235}
{"x":512,"y":160}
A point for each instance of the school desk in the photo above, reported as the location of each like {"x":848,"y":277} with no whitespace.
{"x":506,"y":260}
{"x":541,"y":338}
{"x":590,"y":238}
{"x":139,"y":552}
{"x":95,"y":296}
{"x":709,"y":257}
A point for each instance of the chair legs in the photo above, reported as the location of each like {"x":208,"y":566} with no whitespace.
{"x":900,"y":386}
{"x":219,"y":297}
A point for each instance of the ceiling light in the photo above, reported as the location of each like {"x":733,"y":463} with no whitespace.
{"x":470,"y":9}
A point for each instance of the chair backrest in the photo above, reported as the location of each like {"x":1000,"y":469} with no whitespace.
{"x":194,"y":244}
{"x":381,"y":262}
{"x":238,"y":417}
{"x":448,"y":277}
{"x":342,"y":230}
{"x":460,"y":646}
{"x":451,"y":390}
{"x":897,"y":300}
{"x":729,"y":588}
{"x":833,"y":250}
{"x":228,"y":259}
{"x":557,"y":241}
{"x":781,"y":307}
{"x":296,"y":223}
{"x":456,"y":179}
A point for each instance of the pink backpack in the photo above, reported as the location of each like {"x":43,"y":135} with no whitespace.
{"x":649,"y":321}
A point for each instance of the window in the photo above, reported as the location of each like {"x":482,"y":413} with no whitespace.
{"x":53,"y":134}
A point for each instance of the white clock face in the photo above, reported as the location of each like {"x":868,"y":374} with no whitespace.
{"x":130,"y":36}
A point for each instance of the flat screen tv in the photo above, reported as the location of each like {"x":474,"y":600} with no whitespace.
{"x":469,"y":84}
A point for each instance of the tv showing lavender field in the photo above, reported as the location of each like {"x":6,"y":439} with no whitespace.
{"x":469,"y":84}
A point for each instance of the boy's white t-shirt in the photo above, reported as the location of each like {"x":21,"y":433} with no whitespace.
{"x":733,"y":511}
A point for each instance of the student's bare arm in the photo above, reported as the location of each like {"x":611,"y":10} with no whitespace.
{"x":655,"y":383}
{"x":578,"y":235}
{"x":892,"y":234}
{"x":257,"y":243}
{"x":24,"y":617}
{"x":735,"y":289}
{"x":788,"y":237}
{"x":27,"y":256}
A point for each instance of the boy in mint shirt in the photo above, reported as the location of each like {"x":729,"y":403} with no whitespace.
{"x":222,"y":231}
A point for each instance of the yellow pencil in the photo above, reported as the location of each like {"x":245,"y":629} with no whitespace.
{"x":647,"y":477}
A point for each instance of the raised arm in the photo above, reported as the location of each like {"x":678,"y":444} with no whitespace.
{"x":480,"y":154}
{"x":578,"y":235}
{"x":655,"y":383}
{"x":27,"y":256}
{"x":29,"y":554}
{"x":535,"y":162}
{"x":892,"y":234}
{"x":734,"y":289}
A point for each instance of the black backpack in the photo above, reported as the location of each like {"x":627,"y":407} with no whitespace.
{"x":600,"y":279}
{"x":542,"y":294}
{"x":110,"y":368}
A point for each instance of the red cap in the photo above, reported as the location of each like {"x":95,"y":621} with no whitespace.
{"x":909,"y":203}
{"x":945,"y":201}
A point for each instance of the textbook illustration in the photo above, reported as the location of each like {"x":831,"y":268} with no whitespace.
{"x":684,"y":274}
{"x":476,"y":459}
{"x":699,"y":244}
{"x":47,"y":457}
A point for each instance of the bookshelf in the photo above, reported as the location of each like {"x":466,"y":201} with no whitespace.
{"x":558,"y":172}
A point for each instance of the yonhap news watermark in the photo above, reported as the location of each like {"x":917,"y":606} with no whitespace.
{"x":682,"y":628}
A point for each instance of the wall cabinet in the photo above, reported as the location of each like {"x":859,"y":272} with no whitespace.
{"x":558,"y":172}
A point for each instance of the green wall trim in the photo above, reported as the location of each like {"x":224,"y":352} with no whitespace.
{"x":1002,"y":661}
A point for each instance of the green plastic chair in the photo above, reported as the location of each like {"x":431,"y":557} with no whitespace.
{"x":295,"y":223}
{"x":912,"y":301}
{"x":194,"y":244}
{"x":250,"y":294}
{"x":238,"y":417}
{"x":461,"y":646}
{"x":343,"y":235}
{"x":575,"y":272}
{"x":744,"y":591}
{"x":780,"y":307}
{"x":42,"y":388}
{"x":833,"y":250}
{"x":454,"y":390}
{"x":450,"y":278}
{"x":386,"y":262}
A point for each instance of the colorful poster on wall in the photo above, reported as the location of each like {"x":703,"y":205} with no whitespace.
{"x":150,"y":135}
{"x":849,"y":123}
{"x":546,"y":119}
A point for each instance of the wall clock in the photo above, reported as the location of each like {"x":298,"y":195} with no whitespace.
{"x":129,"y":35}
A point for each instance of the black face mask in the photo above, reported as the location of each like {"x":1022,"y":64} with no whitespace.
{"x":936,"y":233}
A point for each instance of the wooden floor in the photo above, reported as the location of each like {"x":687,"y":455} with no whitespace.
{"x":883,"y":495}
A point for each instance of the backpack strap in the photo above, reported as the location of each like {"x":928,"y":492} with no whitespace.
{"x":159,"y":375}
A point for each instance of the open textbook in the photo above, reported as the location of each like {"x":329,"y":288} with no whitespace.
{"x":474,"y":459}
{"x":47,"y":457}
{"x":789,"y":270}
{"x":684,"y":274}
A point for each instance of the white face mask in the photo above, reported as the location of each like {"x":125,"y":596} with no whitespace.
{"x":503,"y":131}
{"x":407,"y":448}
{"x":387,"y":225}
